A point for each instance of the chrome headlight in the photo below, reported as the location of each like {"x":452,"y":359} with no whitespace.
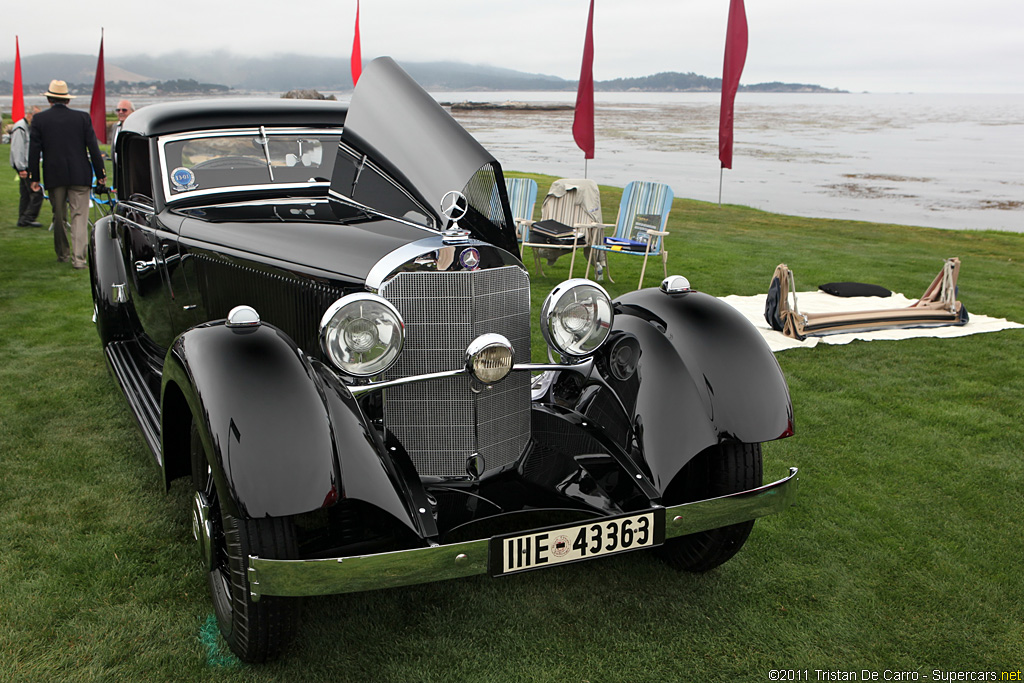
{"x":362,"y":334}
{"x":576,"y":317}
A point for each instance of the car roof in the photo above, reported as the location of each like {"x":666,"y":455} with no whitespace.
{"x":231,"y":112}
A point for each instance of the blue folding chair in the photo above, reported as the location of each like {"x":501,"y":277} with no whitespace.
{"x":640,"y":228}
{"x":103,"y":199}
{"x":522,"y":197}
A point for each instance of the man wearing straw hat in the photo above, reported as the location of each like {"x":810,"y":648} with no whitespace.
{"x":63,"y":136}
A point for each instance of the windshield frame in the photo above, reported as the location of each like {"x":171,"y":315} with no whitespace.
{"x":172,"y":198}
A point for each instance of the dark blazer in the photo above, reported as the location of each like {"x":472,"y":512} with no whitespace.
{"x":62,"y":135}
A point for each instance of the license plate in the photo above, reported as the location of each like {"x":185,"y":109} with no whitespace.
{"x":557,"y":545}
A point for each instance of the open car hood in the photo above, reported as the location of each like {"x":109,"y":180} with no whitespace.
{"x":394,"y":125}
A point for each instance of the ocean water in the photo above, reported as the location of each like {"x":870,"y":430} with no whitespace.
{"x":945,"y":161}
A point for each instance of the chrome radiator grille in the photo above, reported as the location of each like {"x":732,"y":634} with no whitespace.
{"x":443,"y":422}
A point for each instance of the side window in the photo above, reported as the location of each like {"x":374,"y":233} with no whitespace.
{"x":137,"y":172}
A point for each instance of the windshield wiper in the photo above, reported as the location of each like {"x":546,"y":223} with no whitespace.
{"x":359,"y":172}
{"x":262,"y":141}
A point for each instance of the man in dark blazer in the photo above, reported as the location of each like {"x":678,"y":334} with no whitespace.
{"x":63,"y":136}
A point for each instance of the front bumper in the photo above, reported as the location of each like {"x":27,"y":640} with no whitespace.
{"x":457,"y":560}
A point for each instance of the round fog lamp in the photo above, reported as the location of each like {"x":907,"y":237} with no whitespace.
{"x":576,"y":318}
{"x":489,"y":358}
{"x":362,"y":334}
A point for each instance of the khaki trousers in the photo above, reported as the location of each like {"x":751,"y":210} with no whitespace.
{"x":77,"y":198}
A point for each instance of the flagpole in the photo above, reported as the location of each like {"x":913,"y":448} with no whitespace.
{"x":732,"y":69}
{"x":583,"y":116}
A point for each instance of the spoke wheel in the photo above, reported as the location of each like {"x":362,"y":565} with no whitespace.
{"x":255,"y":631}
{"x":727,"y":468}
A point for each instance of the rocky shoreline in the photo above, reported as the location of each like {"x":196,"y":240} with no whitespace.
{"x":506,"y":106}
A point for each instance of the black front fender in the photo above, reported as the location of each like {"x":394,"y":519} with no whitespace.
{"x":278,"y":444}
{"x":706,"y":376}
{"x":261,"y":418}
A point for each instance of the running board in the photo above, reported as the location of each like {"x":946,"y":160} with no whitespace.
{"x":127,"y":367}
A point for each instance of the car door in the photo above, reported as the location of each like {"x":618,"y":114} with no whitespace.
{"x":146,"y":242}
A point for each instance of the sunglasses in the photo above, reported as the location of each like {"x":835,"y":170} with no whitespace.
{"x":121,"y":110}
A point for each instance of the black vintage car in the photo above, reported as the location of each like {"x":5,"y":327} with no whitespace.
{"x":319,"y":314}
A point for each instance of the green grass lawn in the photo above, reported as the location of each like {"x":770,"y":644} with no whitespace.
{"x":904,"y":551}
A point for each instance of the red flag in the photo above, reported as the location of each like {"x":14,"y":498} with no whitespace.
{"x":735,"y":56}
{"x":17,"y":93}
{"x":583,"y":120}
{"x":98,"y":106}
{"x":357,"y":52}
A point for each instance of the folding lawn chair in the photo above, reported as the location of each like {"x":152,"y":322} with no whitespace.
{"x":522,"y":197}
{"x":640,"y":228}
{"x":937,"y":307}
{"x":571,"y":206}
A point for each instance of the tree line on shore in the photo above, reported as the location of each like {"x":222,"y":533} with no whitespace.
{"x":144,"y":74}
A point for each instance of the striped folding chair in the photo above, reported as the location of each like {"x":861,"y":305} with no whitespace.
{"x":640,"y":228}
{"x":522,"y":197}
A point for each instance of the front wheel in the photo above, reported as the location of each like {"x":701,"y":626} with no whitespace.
{"x":727,"y":468}
{"x":255,"y":631}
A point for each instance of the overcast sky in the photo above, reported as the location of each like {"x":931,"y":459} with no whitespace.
{"x":873,"y":45}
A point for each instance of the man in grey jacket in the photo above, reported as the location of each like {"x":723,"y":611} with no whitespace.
{"x":31,"y":201}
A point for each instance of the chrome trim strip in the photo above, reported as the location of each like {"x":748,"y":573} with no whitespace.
{"x":583,"y":368}
{"x":387,"y":266}
{"x":135,"y":224}
{"x":438,"y":563}
{"x":251,"y":130}
{"x":235,"y":189}
{"x":394,"y":260}
{"x":279,"y":201}
{"x":360,"y":389}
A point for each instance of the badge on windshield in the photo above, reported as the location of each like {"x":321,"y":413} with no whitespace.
{"x":183,"y":179}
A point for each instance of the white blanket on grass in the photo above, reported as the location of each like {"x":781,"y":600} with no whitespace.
{"x":752,"y":307}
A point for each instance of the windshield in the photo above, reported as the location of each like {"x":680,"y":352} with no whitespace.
{"x":245,"y":159}
{"x":400,"y":149}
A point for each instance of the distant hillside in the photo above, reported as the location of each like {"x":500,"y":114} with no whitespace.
{"x":289,"y":72}
{"x":673,"y":81}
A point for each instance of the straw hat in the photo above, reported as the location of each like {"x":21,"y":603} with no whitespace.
{"x":58,"y":89}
